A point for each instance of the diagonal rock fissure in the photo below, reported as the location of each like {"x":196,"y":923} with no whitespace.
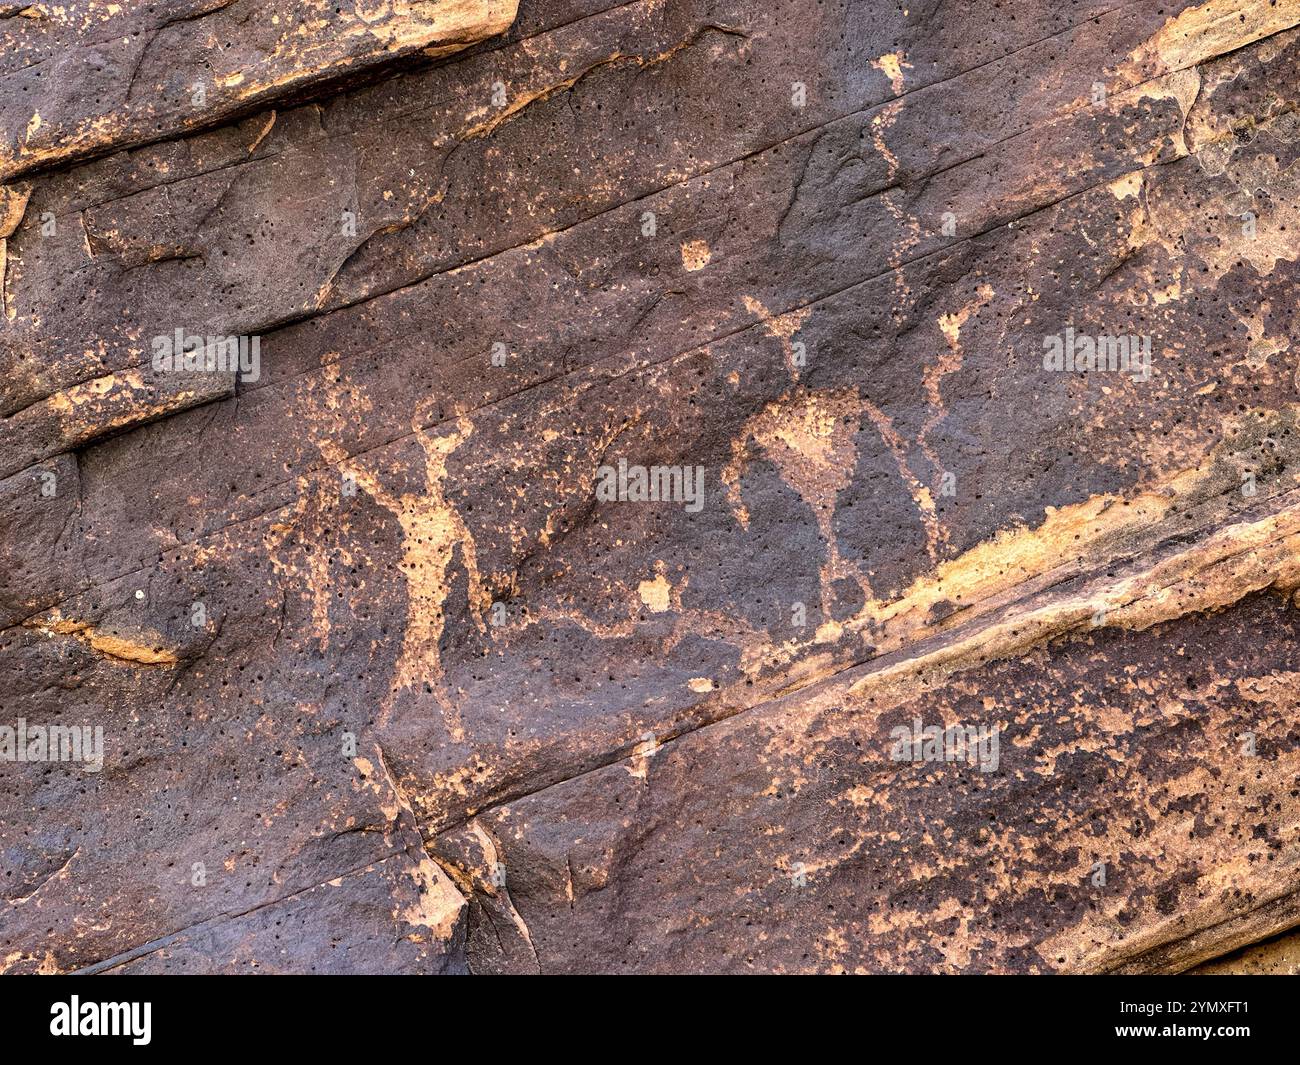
{"x":1237,"y":558}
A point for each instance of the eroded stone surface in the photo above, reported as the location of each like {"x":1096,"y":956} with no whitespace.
{"x":438,"y":681}
{"x":1277,"y":957}
{"x":83,"y":77}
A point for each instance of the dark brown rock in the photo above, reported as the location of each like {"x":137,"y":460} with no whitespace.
{"x":85,"y":77}
{"x":387,"y":683}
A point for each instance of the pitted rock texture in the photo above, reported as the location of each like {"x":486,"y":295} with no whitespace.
{"x":87,"y":76}
{"x":392,"y":674}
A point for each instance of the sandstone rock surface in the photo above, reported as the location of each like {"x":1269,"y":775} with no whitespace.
{"x":389,"y":683}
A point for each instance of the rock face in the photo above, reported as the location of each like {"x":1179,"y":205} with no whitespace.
{"x":681,"y":485}
{"x":89,"y":77}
